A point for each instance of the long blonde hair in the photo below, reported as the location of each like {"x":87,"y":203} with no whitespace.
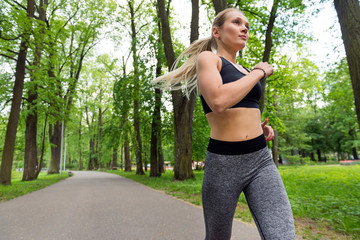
{"x":185,"y":77}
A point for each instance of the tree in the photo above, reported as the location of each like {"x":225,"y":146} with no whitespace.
{"x":120,"y":128}
{"x":183,"y":108}
{"x":70,"y":42}
{"x":340,"y":110}
{"x":31,"y":159}
{"x":8,"y":152}
{"x":138,"y":146}
{"x":156,"y":156}
{"x":219,"y":5}
{"x":348,"y":12}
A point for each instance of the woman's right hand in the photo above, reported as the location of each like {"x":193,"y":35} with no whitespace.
{"x":269,"y":70}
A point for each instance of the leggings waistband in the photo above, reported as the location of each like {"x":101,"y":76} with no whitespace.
{"x":236,"y":148}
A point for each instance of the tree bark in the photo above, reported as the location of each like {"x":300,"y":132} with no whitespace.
{"x":267,"y":51}
{"x":155,"y":130}
{"x":155,"y":149}
{"x":115,"y":156}
{"x":55,"y":141}
{"x":127,"y":155}
{"x":219,"y":5}
{"x":11,"y":129}
{"x":348,"y":12}
{"x":40,"y":164}
{"x":183,"y":108}
{"x":100,"y":125}
{"x":31,"y":160}
{"x":80,"y":160}
{"x":93,"y":164}
{"x":122,"y":158}
{"x":138,"y":145}
{"x":318,"y":152}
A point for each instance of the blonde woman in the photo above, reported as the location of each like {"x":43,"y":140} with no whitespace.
{"x":237,"y":159}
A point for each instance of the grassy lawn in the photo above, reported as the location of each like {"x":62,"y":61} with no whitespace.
{"x":19,"y":188}
{"x":325,"y":199}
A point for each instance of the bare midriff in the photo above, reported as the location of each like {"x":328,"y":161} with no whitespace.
{"x":235,"y":124}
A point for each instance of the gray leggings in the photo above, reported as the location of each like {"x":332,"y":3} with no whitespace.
{"x":255,"y":174}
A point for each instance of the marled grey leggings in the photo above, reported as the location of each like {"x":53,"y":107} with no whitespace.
{"x":226,"y":176}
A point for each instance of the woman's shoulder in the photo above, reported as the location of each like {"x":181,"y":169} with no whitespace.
{"x":208,"y":58}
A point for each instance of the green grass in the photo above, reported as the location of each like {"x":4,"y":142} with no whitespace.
{"x":329,"y":193}
{"x":19,"y":188}
{"x":325,"y":194}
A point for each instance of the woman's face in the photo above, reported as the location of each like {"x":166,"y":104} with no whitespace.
{"x":234,"y":33}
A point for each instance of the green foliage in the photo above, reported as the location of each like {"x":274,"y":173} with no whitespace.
{"x":200,"y":133}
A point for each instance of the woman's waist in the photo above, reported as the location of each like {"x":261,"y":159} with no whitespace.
{"x":237,"y":147}
{"x":236,"y":132}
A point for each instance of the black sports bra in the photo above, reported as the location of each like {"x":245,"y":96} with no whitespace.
{"x":229,"y":73}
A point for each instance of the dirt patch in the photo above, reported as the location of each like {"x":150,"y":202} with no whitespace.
{"x":306,"y":228}
{"x":310,"y":229}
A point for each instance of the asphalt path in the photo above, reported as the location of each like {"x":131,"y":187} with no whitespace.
{"x":97,"y":205}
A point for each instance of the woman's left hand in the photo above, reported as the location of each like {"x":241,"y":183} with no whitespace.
{"x":268,"y":131}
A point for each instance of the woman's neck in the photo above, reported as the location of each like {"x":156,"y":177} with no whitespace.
{"x":229,"y":55}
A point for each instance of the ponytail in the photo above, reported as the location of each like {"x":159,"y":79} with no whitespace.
{"x":185,"y":77}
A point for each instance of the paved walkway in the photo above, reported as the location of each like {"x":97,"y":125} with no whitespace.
{"x":96,"y":205}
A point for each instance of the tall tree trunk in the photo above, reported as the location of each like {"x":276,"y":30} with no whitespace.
{"x":355,"y":154}
{"x":352,"y":134}
{"x":115,"y":156}
{"x":138,"y":145}
{"x":11,"y":129}
{"x":100,"y":137}
{"x":155,"y":169}
{"x":348,"y":12}
{"x":55,"y":141}
{"x":31,"y":160}
{"x":155,"y":129}
{"x":318,"y":152}
{"x":94,"y":155}
{"x":40,"y":164}
{"x":161,"y":157}
{"x":267,"y":51}
{"x":80,"y":160}
{"x":122,"y":158}
{"x":54,"y":133}
{"x":92,"y":158}
{"x":219,"y":5}
{"x":183,"y":108}
{"x":127,"y":155}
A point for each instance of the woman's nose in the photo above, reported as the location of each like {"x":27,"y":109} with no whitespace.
{"x":244,"y":29}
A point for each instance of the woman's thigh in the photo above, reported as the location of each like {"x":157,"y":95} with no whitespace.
{"x":270,"y":206}
{"x":220,"y":194}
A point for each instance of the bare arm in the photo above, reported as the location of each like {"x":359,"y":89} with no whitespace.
{"x":221,"y":96}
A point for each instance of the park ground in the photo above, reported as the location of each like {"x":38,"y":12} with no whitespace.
{"x":325,"y":199}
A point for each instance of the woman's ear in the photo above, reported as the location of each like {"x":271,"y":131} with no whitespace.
{"x":216,"y":32}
